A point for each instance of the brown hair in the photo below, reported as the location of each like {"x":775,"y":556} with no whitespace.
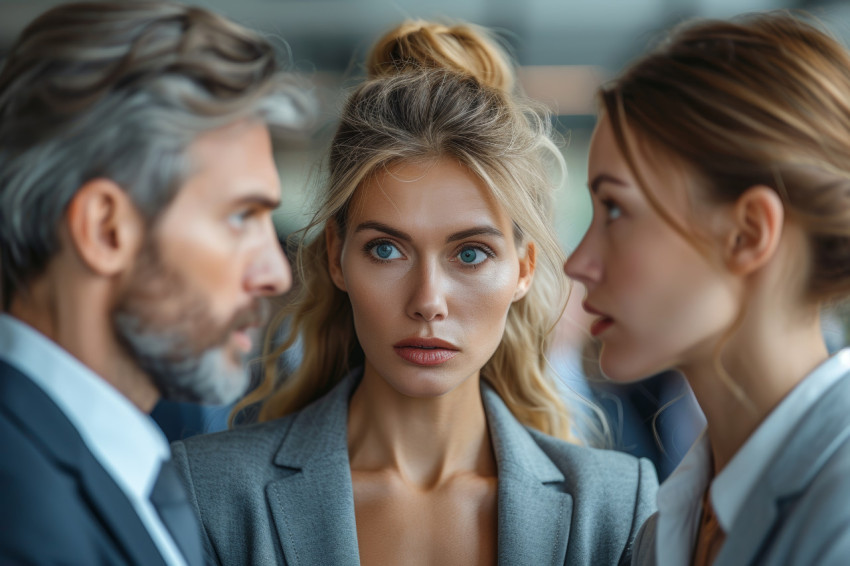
{"x":761,"y":100}
{"x":426,"y":112}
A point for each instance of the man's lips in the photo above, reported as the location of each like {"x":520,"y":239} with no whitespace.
{"x":243,"y":338}
{"x":601,"y":324}
{"x":425,"y":351}
{"x":246,"y":322}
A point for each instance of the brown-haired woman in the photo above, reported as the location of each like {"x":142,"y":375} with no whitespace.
{"x":422,"y":426}
{"x":720,"y":176}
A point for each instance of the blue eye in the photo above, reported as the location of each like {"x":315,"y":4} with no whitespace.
{"x":471,"y":256}
{"x":385,"y":251}
{"x":612,"y":210}
{"x":238,"y":219}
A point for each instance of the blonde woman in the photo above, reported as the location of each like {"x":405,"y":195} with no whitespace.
{"x":422,"y":426}
{"x":720,"y":175}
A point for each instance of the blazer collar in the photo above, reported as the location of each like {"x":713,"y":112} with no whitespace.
{"x":34,"y":411}
{"x":806,"y":451}
{"x":533,"y":518}
{"x":313,"y":508}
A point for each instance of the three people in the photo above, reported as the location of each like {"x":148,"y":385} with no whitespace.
{"x":136,"y":188}
{"x":422,"y":425}
{"x":720,"y":176}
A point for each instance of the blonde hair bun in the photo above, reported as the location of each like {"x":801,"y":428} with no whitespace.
{"x":463,"y":47}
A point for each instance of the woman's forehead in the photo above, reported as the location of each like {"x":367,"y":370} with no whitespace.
{"x":440,"y":194}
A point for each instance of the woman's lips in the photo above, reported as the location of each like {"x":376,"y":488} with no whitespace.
{"x":600,"y":325}
{"x":425,"y":351}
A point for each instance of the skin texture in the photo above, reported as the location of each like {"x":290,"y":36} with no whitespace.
{"x":131,"y":302}
{"x":730,"y":296}
{"x":423,"y":470}
{"x":662,"y":300}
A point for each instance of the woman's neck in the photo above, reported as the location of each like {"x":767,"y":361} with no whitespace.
{"x":765,"y":359}
{"x":426,"y":441}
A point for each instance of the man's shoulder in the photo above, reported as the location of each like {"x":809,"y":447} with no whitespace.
{"x":43,"y":510}
{"x":25,"y":460}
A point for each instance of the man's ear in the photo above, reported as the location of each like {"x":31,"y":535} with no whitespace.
{"x":104,"y":227}
{"x":334,"y":243}
{"x":527,"y":262}
{"x":758,"y":218}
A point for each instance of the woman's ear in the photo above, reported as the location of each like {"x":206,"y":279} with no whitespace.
{"x":104,"y":227}
{"x":758,"y":218}
{"x":334,"y":243}
{"x":526,"y":271}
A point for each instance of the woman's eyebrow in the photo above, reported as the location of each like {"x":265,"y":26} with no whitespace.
{"x":605,"y":178}
{"x":475,"y":231}
{"x":372,"y":225}
{"x":463,"y":234}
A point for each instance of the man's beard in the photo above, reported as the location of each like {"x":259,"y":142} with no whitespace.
{"x":169,"y":332}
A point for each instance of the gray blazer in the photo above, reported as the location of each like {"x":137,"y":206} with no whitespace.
{"x":280,"y":492}
{"x":799,"y":512}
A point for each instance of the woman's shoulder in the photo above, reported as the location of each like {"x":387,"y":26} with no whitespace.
{"x":225,"y":464}
{"x":583,"y":468}
{"x":261,"y":451}
{"x":226,"y":475}
{"x":251,"y":440}
{"x":598,"y":469}
{"x":611,"y":494}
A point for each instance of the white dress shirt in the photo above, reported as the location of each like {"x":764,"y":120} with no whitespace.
{"x":123,"y":439}
{"x":680,"y":496}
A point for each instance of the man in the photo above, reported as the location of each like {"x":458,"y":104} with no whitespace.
{"x":136,"y":240}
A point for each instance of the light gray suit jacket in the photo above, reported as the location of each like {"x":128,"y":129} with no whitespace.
{"x":799,"y":512}
{"x":280,"y":492}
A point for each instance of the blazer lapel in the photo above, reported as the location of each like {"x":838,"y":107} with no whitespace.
{"x":313,"y":508}
{"x":533,"y":519}
{"x":33,"y":409}
{"x":805,"y":452}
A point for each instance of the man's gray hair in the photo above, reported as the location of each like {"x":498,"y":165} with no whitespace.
{"x":119,"y":91}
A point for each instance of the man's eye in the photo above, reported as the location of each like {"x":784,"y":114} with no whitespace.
{"x":238,"y":219}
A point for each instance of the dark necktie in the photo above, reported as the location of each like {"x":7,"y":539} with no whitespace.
{"x":169,"y":499}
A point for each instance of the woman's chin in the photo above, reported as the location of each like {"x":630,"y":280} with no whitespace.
{"x":624,"y":370}
{"x":422,"y":388}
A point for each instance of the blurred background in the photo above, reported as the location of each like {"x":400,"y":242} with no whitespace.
{"x":565,"y":49}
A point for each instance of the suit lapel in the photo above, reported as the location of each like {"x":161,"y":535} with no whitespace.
{"x":803,"y":455}
{"x":313,"y":507}
{"x":534,"y":520}
{"x":34,"y":411}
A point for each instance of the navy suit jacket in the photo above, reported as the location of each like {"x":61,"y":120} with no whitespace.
{"x":57,"y":503}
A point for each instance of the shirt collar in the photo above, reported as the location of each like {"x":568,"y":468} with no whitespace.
{"x":126,"y":441}
{"x":731,"y":487}
{"x":679,"y":502}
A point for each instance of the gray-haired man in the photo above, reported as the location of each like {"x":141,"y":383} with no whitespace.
{"x":136,"y":190}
